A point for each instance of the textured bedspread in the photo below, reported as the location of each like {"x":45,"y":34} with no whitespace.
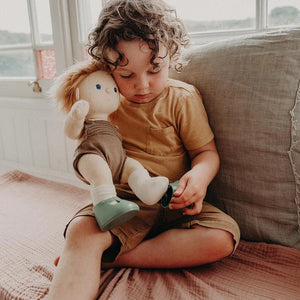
{"x":33,"y":213}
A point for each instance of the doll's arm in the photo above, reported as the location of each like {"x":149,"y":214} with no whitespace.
{"x":74,"y":122}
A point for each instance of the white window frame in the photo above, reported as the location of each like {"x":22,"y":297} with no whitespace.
{"x":67,"y":32}
{"x":261,"y":26}
{"x":20,"y":87}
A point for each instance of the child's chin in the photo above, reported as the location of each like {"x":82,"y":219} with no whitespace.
{"x":142,"y":99}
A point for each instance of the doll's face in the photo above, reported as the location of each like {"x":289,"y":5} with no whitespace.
{"x":100,"y":90}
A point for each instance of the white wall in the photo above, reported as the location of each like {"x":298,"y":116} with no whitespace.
{"x":32,"y":140}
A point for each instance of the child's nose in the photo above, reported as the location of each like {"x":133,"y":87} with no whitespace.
{"x":142,"y":83}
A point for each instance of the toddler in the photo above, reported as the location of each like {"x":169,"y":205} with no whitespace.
{"x":164,"y":126}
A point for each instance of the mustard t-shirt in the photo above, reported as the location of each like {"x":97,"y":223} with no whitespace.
{"x":159,"y":133}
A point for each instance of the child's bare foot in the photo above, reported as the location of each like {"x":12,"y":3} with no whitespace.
{"x":56,"y":261}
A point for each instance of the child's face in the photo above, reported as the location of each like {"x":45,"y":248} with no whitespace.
{"x":139,"y":81}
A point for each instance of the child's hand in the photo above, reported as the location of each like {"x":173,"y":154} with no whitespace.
{"x":79,"y":110}
{"x":189,"y":195}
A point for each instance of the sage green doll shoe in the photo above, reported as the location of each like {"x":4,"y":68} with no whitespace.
{"x":166,"y":198}
{"x":113,"y":212}
{"x":168,"y":195}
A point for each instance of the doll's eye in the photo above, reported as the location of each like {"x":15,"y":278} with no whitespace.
{"x":115,"y":90}
{"x":98,"y":86}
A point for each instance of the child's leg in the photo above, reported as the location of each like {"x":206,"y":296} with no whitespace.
{"x":177,"y":248}
{"x":148,"y":189}
{"x":182,"y":241}
{"x":78,"y":272}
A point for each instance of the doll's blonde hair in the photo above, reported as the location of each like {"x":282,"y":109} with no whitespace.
{"x":64,"y":88}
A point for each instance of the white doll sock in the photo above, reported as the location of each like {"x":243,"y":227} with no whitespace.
{"x":147,"y":189}
{"x":102,"y":192}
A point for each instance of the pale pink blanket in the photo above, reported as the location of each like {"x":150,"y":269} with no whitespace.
{"x":33,"y":213}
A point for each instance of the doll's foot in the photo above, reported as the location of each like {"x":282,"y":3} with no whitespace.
{"x":148,"y":189}
{"x":151,"y":190}
{"x":113,"y":212}
{"x":154,"y":189}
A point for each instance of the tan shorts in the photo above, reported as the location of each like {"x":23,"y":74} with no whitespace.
{"x":152,"y":220}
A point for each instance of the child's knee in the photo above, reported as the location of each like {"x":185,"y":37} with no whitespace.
{"x":83,"y":231}
{"x":221,"y":241}
{"x":224,"y":241}
{"x":79,"y":227}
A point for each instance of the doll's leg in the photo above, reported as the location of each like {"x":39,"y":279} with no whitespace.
{"x":148,"y":189}
{"x":110,"y":211}
{"x":95,"y":170}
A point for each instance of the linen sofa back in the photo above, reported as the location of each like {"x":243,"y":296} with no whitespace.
{"x":250,"y":88}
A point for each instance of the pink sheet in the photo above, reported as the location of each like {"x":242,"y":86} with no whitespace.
{"x":34,"y":211}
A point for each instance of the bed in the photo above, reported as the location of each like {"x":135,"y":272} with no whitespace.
{"x":250,"y":88}
{"x":33,"y":214}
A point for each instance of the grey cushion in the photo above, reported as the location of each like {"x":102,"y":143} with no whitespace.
{"x":249,"y":86}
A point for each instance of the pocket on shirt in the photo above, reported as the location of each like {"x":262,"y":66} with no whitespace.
{"x":162,"y":141}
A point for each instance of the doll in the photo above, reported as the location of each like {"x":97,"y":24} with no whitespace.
{"x":89,"y":95}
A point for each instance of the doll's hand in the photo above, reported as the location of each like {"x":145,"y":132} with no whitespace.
{"x":79,"y":110}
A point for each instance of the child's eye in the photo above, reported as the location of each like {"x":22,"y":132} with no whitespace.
{"x":98,"y":86}
{"x":126,"y":76}
{"x":115,"y":90}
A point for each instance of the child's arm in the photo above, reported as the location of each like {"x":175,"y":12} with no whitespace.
{"x":75,"y":119}
{"x":193,"y":185}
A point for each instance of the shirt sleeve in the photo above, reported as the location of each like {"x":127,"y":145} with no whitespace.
{"x":192,"y":121}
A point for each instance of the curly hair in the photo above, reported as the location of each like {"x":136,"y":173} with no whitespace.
{"x":152,"y":21}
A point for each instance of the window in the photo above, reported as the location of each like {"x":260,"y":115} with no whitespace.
{"x":41,"y":38}
{"x":283,"y":13}
{"x":210,"y":20}
{"x":26,"y":45}
{"x":88,"y":13}
{"x":216,"y":15}
{"x":16,"y":57}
